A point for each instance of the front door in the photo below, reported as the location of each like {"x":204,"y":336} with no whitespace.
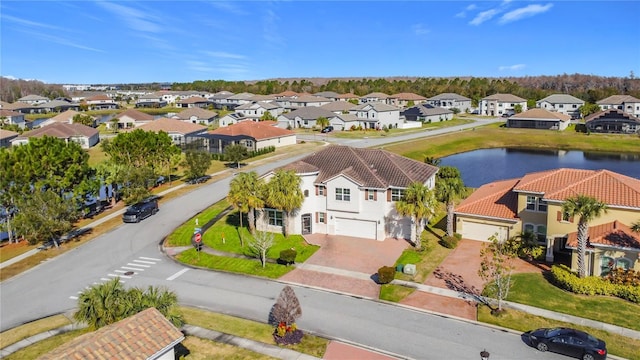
{"x":306,"y":224}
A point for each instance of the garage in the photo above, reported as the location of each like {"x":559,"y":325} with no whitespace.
{"x":356,"y":228}
{"x":477,"y":231}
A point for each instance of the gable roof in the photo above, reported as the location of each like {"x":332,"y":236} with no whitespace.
{"x":504,"y":98}
{"x":193,"y":100}
{"x":427,"y":110}
{"x":562,"y":99}
{"x":613,"y":234}
{"x":253,"y":105}
{"x":135,"y":115}
{"x":32,"y":97}
{"x":98,"y":97}
{"x":617,"y":100}
{"x":17,"y":105}
{"x":611,"y":113}
{"x":309,"y":99}
{"x":61,"y":131}
{"x":241,"y":96}
{"x":287,"y":93}
{"x":57,"y":103}
{"x":542,"y":114}
{"x":9,"y":113}
{"x":373,"y":168}
{"x":348,"y":96}
{"x":494,"y":200}
{"x":327,"y":94}
{"x":379,"y":107}
{"x":8,"y":134}
{"x":309,"y":113}
{"x":199,"y":113}
{"x":378,"y":95}
{"x":171,"y":126}
{"x":66,"y":116}
{"x":261,"y":130}
{"x":408,"y":96}
{"x":449,"y":96}
{"x":338,"y":106}
{"x":146,"y":335}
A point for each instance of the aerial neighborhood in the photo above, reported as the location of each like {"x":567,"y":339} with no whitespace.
{"x":356,"y":199}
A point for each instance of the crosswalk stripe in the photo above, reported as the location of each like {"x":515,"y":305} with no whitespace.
{"x":148,"y":258}
{"x":144,"y":262}
{"x":73,"y":297}
{"x":130,"y":268}
{"x":146,"y":266}
{"x":120,"y":276}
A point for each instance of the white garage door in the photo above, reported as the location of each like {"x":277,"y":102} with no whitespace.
{"x":356,"y":228}
{"x":476,"y":231}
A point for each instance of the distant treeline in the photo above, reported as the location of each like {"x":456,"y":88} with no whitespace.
{"x":590,"y":88}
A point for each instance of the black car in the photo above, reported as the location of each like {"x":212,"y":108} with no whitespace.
{"x":142,"y":210}
{"x":570,"y":342}
{"x":327,"y":129}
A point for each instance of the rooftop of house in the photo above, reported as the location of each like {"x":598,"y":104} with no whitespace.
{"x":542,"y":114}
{"x":449,"y":96}
{"x":61,"y":130}
{"x":261,"y":130}
{"x":174,"y":126}
{"x":613,"y":234}
{"x":562,"y":99}
{"x":407,"y":97}
{"x":135,"y":115}
{"x":504,"y":98}
{"x":618,"y":100}
{"x":379,"y":107}
{"x":199,"y":113}
{"x":309,"y":113}
{"x":427,"y":110}
{"x":375,"y":95}
{"x":495,"y":200}
{"x":338,"y":106}
{"x":612,"y":113}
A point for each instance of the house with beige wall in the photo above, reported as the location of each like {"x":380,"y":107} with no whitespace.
{"x":500,"y":104}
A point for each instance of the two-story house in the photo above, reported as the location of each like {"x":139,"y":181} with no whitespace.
{"x":626,"y":103}
{"x":304,"y":117}
{"x":351,"y":192}
{"x":500,"y":104}
{"x":377,"y":115}
{"x":34,"y":100}
{"x":562,"y":103}
{"x":236,"y":100}
{"x":450,"y":101}
{"x":256,"y":110}
{"x":404,"y":100}
{"x":534,"y":203}
{"x":374,"y":97}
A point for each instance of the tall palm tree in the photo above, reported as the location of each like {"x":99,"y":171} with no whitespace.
{"x":283,"y":193}
{"x":587,"y":208}
{"x":245,"y":194}
{"x":448,"y":190}
{"x":418,"y":202}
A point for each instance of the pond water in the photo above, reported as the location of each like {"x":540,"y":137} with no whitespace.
{"x":479,"y":167}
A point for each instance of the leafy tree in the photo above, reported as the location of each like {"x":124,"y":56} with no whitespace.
{"x":411,"y":103}
{"x":432,"y":160}
{"x":455,"y":110}
{"x":283,"y":192}
{"x":246,"y":194}
{"x":137,"y":183}
{"x":196,"y":163}
{"x":588,"y":109}
{"x":44,"y":216}
{"x":83,"y":119}
{"x":419,"y":203}
{"x":115,"y":123}
{"x":322,"y":122}
{"x":517,"y":108}
{"x":287,"y":308}
{"x":110,"y":302}
{"x":236,"y":153}
{"x":260,"y":244}
{"x":267,"y":116}
{"x":449,"y":188}
{"x":497,"y":267}
{"x":587,"y":208}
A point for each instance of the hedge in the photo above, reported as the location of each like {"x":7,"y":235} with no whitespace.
{"x":592,"y":285}
{"x":250,"y":154}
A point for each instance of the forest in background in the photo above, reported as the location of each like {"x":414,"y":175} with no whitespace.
{"x":589,"y":88}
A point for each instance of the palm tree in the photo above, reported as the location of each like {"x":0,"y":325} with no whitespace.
{"x":635,"y":227}
{"x":245,"y":194}
{"x":283,"y":193}
{"x":587,"y":208}
{"x":448,"y":190}
{"x":418,"y":202}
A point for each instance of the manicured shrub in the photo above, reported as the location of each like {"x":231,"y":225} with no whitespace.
{"x":288,"y":256}
{"x":450,"y":242}
{"x":386,"y":274}
{"x":564,"y":278}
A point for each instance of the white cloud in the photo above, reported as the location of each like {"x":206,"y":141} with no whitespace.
{"x":270,"y":29}
{"x":419,"y":29}
{"x":525,"y":12}
{"x":228,"y":6}
{"x":29,"y":22}
{"x":463,"y":13}
{"x":515,"y":67}
{"x":484,"y":16}
{"x":60,"y":40}
{"x":134,"y":18}
{"x":224,"y":55}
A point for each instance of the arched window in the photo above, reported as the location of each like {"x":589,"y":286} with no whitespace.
{"x":623,"y":263}
{"x":606,"y":264}
{"x":529,"y":228}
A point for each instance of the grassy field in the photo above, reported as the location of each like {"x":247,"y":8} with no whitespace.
{"x":359,"y":134}
{"x":495,"y":136}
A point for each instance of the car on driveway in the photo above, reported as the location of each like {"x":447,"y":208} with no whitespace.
{"x":327,"y":129}
{"x":567,"y":341}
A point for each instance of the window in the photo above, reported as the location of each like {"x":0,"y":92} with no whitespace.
{"x":541,"y":232}
{"x":535,"y":203}
{"x":321,"y":190}
{"x":529,"y":228}
{"x":343,"y":194}
{"x":542,"y":205}
{"x":370,"y":195}
{"x":306,"y":193}
{"x":531,"y":203}
{"x":397,"y":194}
{"x":275,"y":217}
{"x":623,"y":263}
{"x":321,"y":218}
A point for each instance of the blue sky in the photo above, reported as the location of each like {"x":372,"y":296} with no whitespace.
{"x":91,"y":42}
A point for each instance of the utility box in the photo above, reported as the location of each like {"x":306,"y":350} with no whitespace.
{"x":399,"y":267}
{"x":410,"y":269}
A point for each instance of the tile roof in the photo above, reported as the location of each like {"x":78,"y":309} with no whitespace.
{"x":613,"y":234}
{"x":562,"y":99}
{"x":495,"y":200}
{"x":18,"y":105}
{"x":66,"y":116}
{"x":257,"y":130}
{"x":288,"y":93}
{"x":408,"y":96}
{"x":504,"y":98}
{"x":192,"y":100}
{"x":427,"y":110}
{"x":199,"y":113}
{"x":309,"y":99}
{"x":611,"y":113}
{"x":56,"y":103}
{"x":98,"y":98}
{"x":145,"y":335}
{"x":371,"y":168}
{"x":263,"y":98}
{"x":9,"y":113}
{"x":8,"y":134}
{"x":327,"y":94}
{"x":171,"y":126}
{"x":33,"y":98}
{"x":542,"y":114}
{"x":378,"y":95}
{"x":135,"y":115}
{"x":61,"y":130}
{"x":309,"y":113}
{"x":617,"y":100}
{"x":449,"y":96}
{"x":348,"y":96}
{"x":379,"y":107}
{"x":338,"y":106}
{"x":241,"y":96}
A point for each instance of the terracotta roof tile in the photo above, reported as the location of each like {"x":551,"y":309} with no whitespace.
{"x":171,"y":126}
{"x":141,"y":336}
{"x":368,"y":167}
{"x":613,"y":234}
{"x":256,"y":130}
{"x":61,"y":130}
{"x":496,"y":200}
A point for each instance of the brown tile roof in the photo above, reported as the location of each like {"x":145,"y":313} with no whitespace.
{"x":378,"y":95}
{"x":99,"y":97}
{"x":145,"y":335}
{"x":348,"y":96}
{"x":541,"y":114}
{"x":613,"y":234}
{"x":368,"y":167}
{"x":8,"y":134}
{"x":609,"y":187}
{"x":135,"y":115}
{"x":257,"y":130}
{"x":199,"y":113}
{"x":288,"y":93}
{"x":18,"y":105}
{"x":192,"y":100}
{"x":617,"y":100}
{"x":61,"y":130}
{"x":614,"y":113}
{"x":504,"y":98}
{"x":408,"y":96}
{"x":8,"y":112}
{"x":495,"y":200}
{"x":171,"y":126}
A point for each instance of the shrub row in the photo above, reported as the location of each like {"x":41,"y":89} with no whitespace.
{"x":592,"y":285}
{"x":250,"y":154}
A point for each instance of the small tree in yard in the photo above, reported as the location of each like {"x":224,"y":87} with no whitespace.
{"x":284,"y":314}
{"x":261,"y":243}
{"x":196,"y":163}
{"x":497,"y":267}
{"x":235,"y":153}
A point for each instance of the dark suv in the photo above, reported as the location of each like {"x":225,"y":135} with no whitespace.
{"x":141,"y":210}
{"x":327,"y":129}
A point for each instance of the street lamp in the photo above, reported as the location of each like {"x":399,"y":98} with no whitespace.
{"x":484,"y":355}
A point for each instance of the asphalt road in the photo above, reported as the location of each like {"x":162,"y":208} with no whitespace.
{"x":53,"y":287}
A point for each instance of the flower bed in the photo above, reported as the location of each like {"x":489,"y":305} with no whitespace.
{"x":287,"y":334}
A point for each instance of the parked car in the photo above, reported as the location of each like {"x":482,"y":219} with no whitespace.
{"x":567,"y":341}
{"x":327,"y":129}
{"x":140,"y":211}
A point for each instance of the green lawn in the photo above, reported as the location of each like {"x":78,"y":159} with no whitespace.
{"x":535,"y":290}
{"x":182,"y":235}
{"x":234,"y":265}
